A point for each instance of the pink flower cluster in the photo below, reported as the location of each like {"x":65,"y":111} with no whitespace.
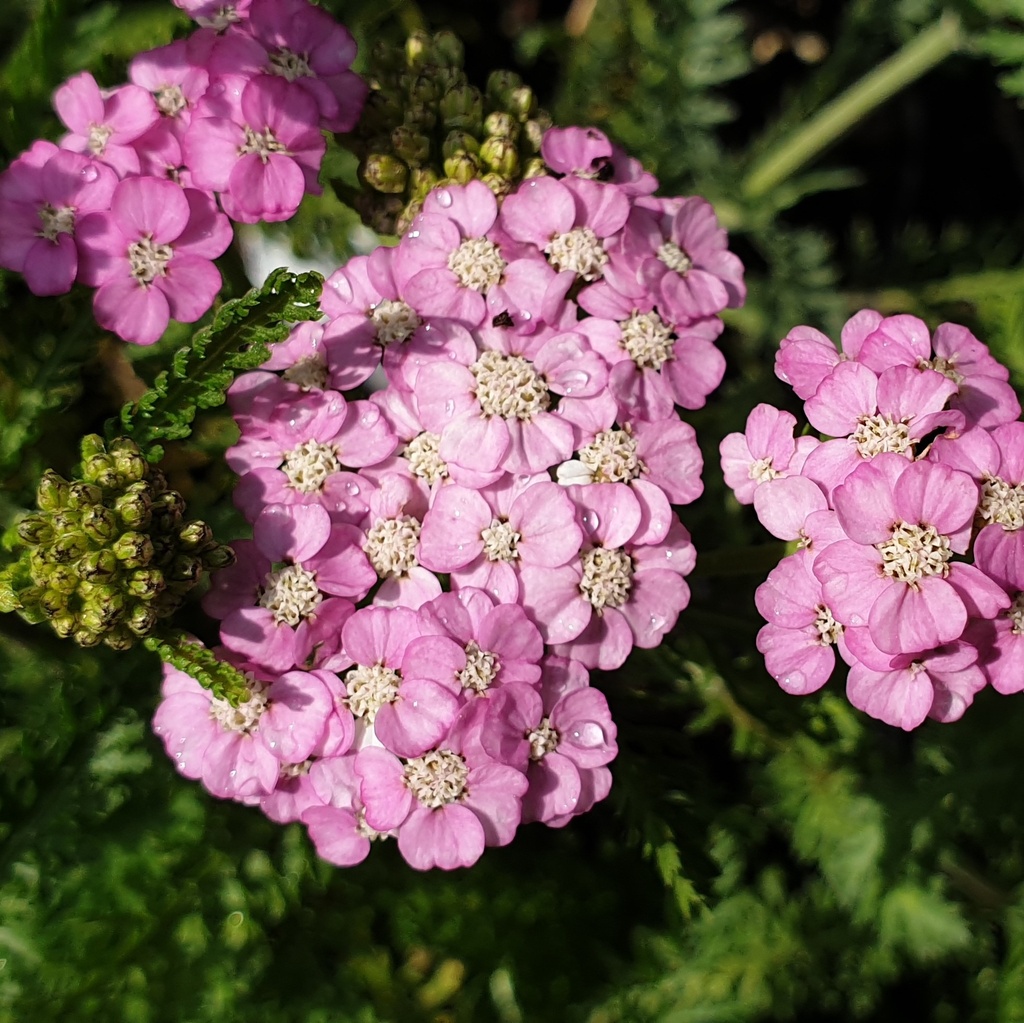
{"x":127,"y":203}
{"x":908,"y":520}
{"x":434,"y":569}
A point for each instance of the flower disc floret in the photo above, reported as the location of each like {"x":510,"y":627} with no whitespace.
{"x":578,"y":250}
{"x":369,"y":687}
{"x":607,"y":577}
{"x":913,"y":552}
{"x":827,"y":627}
{"x":1002,"y":503}
{"x":648,"y":340}
{"x":509,"y":386}
{"x":245,"y":717}
{"x":877,"y":433}
{"x":171,"y":100}
{"x":148,"y":259}
{"x":291,"y":593}
{"x":308,"y":374}
{"x":56,"y":220}
{"x":391,"y":545}
{"x":481,"y":668}
{"x":437,"y":778}
{"x":290,"y":65}
{"x":674,"y":258}
{"x":543,"y":739}
{"x":394,"y":320}
{"x":611,"y":457}
{"x":501,"y":541}
{"x":1016,"y":615}
{"x":478,"y":264}
{"x":309,"y":465}
{"x":262,"y":143}
{"x":424,"y":457}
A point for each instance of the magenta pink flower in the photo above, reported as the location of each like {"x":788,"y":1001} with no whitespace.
{"x":103,"y":124}
{"x":216,"y":14}
{"x":42,"y":195}
{"x":151,"y":257}
{"x":1001,"y":648}
{"x":174,"y":81}
{"x":264,"y":155}
{"x":337,"y":826}
{"x":895,"y":574}
{"x":587,"y":153}
{"x":797,"y":642}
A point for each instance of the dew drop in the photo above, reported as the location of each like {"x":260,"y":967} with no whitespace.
{"x":370,"y":416}
{"x":856,"y":620}
{"x":527,"y":315}
{"x":449,"y":408}
{"x":232,"y":773}
{"x":668,"y":555}
{"x":352,"y":488}
{"x":588,"y":734}
{"x":444,"y":198}
{"x":591,"y":521}
{"x":178,"y":755}
{"x":576,"y":380}
{"x":656,"y":623}
{"x":273,"y":744}
{"x":457,"y":514}
{"x":90,"y":173}
{"x":413,"y":234}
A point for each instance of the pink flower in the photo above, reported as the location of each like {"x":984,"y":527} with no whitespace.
{"x":895,"y":574}
{"x":42,"y":195}
{"x":264,"y":155}
{"x":801,"y":631}
{"x":174,"y":81}
{"x":587,"y":153}
{"x":215,"y":14}
{"x":151,"y":257}
{"x":338,"y":826}
{"x":103,"y":124}
{"x":1001,"y":646}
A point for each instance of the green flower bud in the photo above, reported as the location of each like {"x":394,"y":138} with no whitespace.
{"x":448,"y":49}
{"x":534,"y":130}
{"x":417,"y":49}
{"x":502,"y":124}
{"x":420,"y":117}
{"x":385,"y":173}
{"x":128,"y":460}
{"x":145,"y":583}
{"x":35,"y":530}
{"x":97,"y":566}
{"x":423,"y":180}
{"x":463,"y":169}
{"x":194,"y":535}
{"x":462,"y":107}
{"x":500,"y":186}
{"x":185,"y":569}
{"x":53,"y":602}
{"x":92,"y":444}
{"x":68,"y":547}
{"x":141,"y":620}
{"x":84,"y":495}
{"x":64,"y":624}
{"x":458,"y":142}
{"x":100,"y":524}
{"x":133,"y":550}
{"x":412,"y":147}
{"x":218,"y":556}
{"x":521,"y":103}
{"x":135,"y":510}
{"x":501,"y":156}
{"x":168,"y":511}
{"x":52,"y":494}
{"x":501,"y":85}
{"x":103,"y":609}
{"x":534,"y":168}
{"x":119,"y":639}
{"x":9,"y":600}
{"x":64,"y":577}
{"x":85,"y":637}
{"x":100,"y":469}
{"x":423,"y":90}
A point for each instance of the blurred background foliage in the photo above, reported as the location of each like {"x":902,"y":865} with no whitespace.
{"x":761,"y":857}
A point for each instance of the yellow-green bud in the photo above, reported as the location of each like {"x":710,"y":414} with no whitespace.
{"x":458,"y":142}
{"x":97,"y":565}
{"x":100,"y":469}
{"x":417,"y":49}
{"x":145,"y":583}
{"x":410,"y":145}
{"x":53,"y":602}
{"x":521,"y":102}
{"x":534,"y":168}
{"x":35,"y":530}
{"x":141,"y":620}
{"x":64,"y":577}
{"x":194,"y":535}
{"x":462,"y":107}
{"x":534,"y":130}
{"x":92,"y":444}
{"x":86,"y":637}
{"x":119,"y":639}
{"x":448,"y":49}
{"x":69,"y":547}
{"x":502,"y":124}
{"x":500,"y":155}
{"x":185,"y":569}
{"x":218,"y":556}
{"x":52,"y":494}
{"x":463,"y":169}
{"x":385,"y":173}
{"x":83,"y":495}
{"x":133,"y":549}
{"x":100,"y":523}
{"x":64,"y":624}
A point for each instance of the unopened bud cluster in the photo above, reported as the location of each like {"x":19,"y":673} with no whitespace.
{"x":425,"y":125}
{"x":109,"y":555}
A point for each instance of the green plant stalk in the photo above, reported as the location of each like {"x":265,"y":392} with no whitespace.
{"x":920,"y":55}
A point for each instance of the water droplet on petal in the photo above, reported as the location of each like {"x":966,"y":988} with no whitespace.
{"x":370,"y":416}
{"x":178,"y":755}
{"x":591,"y":521}
{"x":352,"y":488}
{"x":856,"y":620}
{"x":527,"y":315}
{"x":656,"y":623}
{"x":444,"y":198}
{"x":232,"y":773}
{"x":668,"y":555}
{"x":449,"y":408}
{"x":456,"y":514}
{"x":588,"y":734}
{"x":273,"y":744}
{"x":413,"y":234}
{"x":90,"y":173}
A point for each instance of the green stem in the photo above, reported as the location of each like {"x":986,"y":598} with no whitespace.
{"x":919,"y":56}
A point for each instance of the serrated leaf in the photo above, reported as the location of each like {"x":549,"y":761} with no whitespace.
{"x":922,"y":923}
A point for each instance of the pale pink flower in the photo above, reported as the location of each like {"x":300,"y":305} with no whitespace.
{"x":151,"y":257}
{"x":337,"y":826}
{"x":42,"y":195}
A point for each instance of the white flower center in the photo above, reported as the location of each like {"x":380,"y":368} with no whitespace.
{"x":369,"y":687}
{"x":98,"y":136}
{"x":509,"y":386}
{"x":500,"y":541}
{"x":148,"y":260}
{"x":543,"y":740}
{"x":309,"y":465}
{"x":425,"y":461}
{"x":294,"y":770}
{"x":291,"y":594}
{"x":913,"y":552}
{"x":877,"y":434}
{"x":611,"y":457}
{"x":245,"y":716}
{"x":829,"y":630}
{"x":1016,"y":615}
{"x":1001,"y":502}
{"x":221,"y":19}
{"x":477,"y":263}
{"x":262,"y":143}
{"x":394,"y":320}
{"x":290,"y":65}
{"x":56,"y":220}
{"x":391,"y":545}
{"x":607,"y":577}
{"x":577,"y":250}
{"x":437,"y":778}
{"x":761,"y":470}
{"x":480,"y":670}
{"x":947,"y":367}
{"x":674,"y":258}
{"x":309,"y":373}
{"x":364,"y":830}
{"x":648,"y":340}
{"x":170,"y":99}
